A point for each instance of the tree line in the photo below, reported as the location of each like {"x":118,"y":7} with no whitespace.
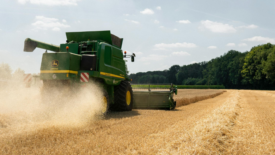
{"x":254,"y":69}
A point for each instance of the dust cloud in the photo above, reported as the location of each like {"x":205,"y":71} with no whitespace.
{"x":26,"y":108}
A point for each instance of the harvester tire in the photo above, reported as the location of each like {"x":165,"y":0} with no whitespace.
{"x":106,"y":103}
{"x":123,"y":97}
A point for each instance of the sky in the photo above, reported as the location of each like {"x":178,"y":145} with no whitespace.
{"x":161,"y":33}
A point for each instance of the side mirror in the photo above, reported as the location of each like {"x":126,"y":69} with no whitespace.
{"x":133,"y":57}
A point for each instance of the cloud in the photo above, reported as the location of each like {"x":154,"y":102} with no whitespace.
{"x":162,"y":67}
{"x":260,"y":39}
{"x":147,"y":11}
{"x":242,"y":44}
{"x":212,"y":47}
{"x":218,"y":27}
{"x":56,"y":29}
{"x":231,"y":44}
{"x":175,"y":29}
{"x":184,"y":21}
{"x":156,"y":21}
{"x":49,"y":2}
{"x":132,"y":21}
{"x":153,"y":57}
{"x":158,"y":8}
{"x":45,"y":23}
{"x":126,"y":14}
{"x":252,"y":26}
{"x":161,"y":27}
{"x":163,"y":46}
{"x":181,"y":53}
{"x":64,"y":21}
{"x":138,"y":53}
{"x":4,"y":51}
{"x":146,"y":63}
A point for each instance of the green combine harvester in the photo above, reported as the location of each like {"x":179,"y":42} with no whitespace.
{"x":96,"y":56}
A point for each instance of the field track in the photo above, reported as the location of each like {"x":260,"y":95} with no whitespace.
{"x":235,"y":122}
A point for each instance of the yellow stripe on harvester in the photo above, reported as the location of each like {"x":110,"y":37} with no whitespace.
{"x":112,"y":75}
{"x":59,"y":71}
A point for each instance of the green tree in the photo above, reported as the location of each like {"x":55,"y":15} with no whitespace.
{"x":154,"y":79}
{"x":254,"y":61}
{"x":191,"y":71}
{"x":201,"y":82}
{"x":269,"y":64}
{"x":173,"y":70}
{"x":253,"y":69}
{"x":162,"y":79}
{"x":191,"y":81}
{"x":145,"y":79}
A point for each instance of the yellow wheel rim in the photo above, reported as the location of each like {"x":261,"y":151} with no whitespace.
{"x":128,"y":97}
{"x":104,"y":107}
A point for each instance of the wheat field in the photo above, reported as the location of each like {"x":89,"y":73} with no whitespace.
{"x":230,"y":122}
{"x":187,"y":96}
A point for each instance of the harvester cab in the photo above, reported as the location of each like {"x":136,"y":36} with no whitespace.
{"x":88,"y":56}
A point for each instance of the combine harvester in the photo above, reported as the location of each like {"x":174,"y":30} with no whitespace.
{"x":96,"y":56}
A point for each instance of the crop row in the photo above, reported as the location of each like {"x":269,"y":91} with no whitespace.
{"x":178,"y":86}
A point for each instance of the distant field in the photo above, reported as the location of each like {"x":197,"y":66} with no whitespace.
{"x":179,"y":86}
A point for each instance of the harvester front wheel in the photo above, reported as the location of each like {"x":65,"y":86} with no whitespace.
{"x":123,"y":97}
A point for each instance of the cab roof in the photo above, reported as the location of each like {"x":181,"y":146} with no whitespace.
{"x":105,"y":36}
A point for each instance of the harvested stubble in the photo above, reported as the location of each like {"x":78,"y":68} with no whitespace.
{"x":253,"y":133}
{"x":235,"y":122}
{"x":188,"y":96}
{"x":120,"y":133}
{"x":210,"y":135}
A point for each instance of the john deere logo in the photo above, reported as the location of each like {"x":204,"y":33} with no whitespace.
{"x":55,"y":63}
